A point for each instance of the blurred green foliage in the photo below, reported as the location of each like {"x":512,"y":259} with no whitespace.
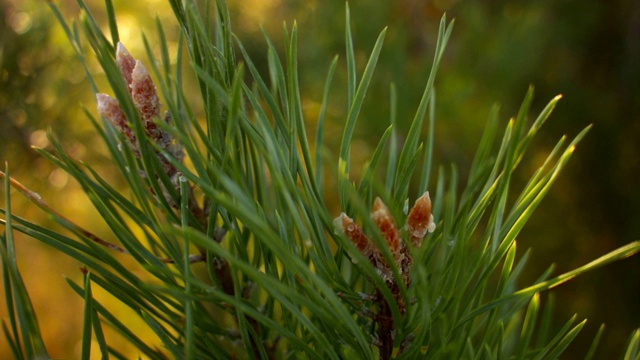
{"x":587,"y":50}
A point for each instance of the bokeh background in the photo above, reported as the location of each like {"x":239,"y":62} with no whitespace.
{"x":587,"y":50}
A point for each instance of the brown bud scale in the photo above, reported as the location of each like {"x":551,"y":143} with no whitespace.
{"x":419,"y":222}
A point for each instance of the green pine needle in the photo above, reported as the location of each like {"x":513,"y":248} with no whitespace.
{"x":241,"y":254}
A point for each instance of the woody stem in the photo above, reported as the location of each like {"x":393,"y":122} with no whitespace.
{"x":385,"y":329}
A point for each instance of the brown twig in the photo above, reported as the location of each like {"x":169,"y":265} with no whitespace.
{"x":385,"y":329}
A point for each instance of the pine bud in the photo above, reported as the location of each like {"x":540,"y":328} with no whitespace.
{"x":125,"y":62}
{"x":420,"y":220}
{"x":109,"y":108}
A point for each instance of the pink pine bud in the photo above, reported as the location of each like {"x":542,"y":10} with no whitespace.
{"x":387,"y":225}
{"x":125,"y":62}
{"x":145,"y":98}
{"x":420,"y":220}
{"x":109,"y":108}
{"x":353,"y":232}
{"x":385,"y":222}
